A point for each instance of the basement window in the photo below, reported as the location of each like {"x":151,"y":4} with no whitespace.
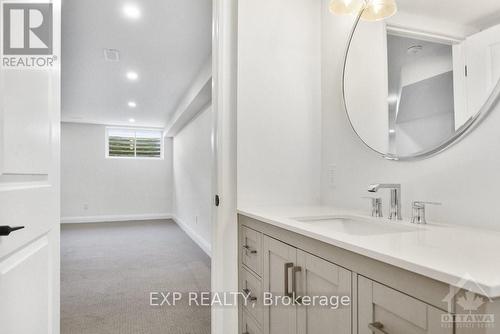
{"x":134,"y":143}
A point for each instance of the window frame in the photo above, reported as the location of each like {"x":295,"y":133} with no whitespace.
{"x":135,"y":129}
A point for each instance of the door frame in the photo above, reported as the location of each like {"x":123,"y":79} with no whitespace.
{"x":224,"y":171}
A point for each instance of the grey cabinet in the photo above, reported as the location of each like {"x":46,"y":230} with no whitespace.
{"x":251,"y":286}
{"x":279,"y":262}
{"x":384,"y":299}
{"x":251,"y":249}
{"x":288,"y":271}
{"x":249,"y":325}
{"x":322,"y":278}
{"x":384,"y":310}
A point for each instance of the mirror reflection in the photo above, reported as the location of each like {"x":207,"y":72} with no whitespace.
{"x":415,"y":80}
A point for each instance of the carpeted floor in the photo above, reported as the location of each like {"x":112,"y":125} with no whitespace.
{"x":108,"y":271}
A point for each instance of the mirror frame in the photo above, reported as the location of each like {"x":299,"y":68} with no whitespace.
{"x":460,"y":134}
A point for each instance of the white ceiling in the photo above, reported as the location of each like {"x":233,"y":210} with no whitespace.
{"x":477,"y":14}
{"x":167,"y":46}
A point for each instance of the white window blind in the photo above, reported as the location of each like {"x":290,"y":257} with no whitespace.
{"x":134,"y":143}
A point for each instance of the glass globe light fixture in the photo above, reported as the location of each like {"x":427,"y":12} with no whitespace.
{"x":376,"y":10}
{"x":346,"y":7}
{"x":373,"y":10}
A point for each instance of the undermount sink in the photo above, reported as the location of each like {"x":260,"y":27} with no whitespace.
{"x":357,"y":226}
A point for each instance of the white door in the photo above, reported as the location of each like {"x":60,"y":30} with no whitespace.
{"x":482,"y":56}
{"x":29,"y":179}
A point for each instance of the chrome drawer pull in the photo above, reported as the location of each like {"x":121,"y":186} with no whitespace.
{"x":288,"y":266}
{"x":248,"y":249}
{"x":377,"y":328}
{"x":295,"y":270}
{"x":249,"y":296}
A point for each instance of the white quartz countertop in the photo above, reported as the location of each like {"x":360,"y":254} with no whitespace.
{"x":460,"y":256}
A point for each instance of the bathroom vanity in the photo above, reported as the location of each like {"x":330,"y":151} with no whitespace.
{"x":417,"y":78}
{"x":402,"y":278}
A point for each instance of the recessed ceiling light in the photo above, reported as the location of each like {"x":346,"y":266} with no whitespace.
{"x":415,"y":49}
{"x":131,"y":120}
{"x":131,"y":11}
{"x":112,"y":55}
{"x":132,"y":104}
{"x":392,"y":131}
{"x":132,"y":76}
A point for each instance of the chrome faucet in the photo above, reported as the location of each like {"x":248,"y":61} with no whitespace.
{"x":376,"y":206}
{"x":418,"y":215}
{"x":395,"y":210}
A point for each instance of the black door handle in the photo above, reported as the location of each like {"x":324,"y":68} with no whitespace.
{"x":6,"y":230}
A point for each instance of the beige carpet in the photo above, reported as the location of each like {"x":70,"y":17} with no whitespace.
{"x":109,"y":269}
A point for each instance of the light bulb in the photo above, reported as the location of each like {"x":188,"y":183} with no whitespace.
{"x":346,"y":7}
{"x":131,"y":11}
{"x":377,"y":10}
{"x":132,"y":76}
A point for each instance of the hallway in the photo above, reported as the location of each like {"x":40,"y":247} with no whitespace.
{"x":108,"y":271}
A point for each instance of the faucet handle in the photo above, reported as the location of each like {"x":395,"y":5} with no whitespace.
{"x":418,"y":216}
{"x":423,"y":204}
{"x":376,"y":203}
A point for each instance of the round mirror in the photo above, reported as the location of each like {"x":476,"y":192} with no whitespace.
{"x":415,"y":82}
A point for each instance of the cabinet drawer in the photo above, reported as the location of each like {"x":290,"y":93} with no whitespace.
{"x":251,"y":249}
{"x":248,"y":325}
{"x":252,"y":285}
{"x":394,"y":312}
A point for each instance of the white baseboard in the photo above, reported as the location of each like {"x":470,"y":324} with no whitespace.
{"x":204,"y":244}
{"x":114,"y":218}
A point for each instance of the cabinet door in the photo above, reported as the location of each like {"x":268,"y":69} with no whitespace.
{"x":319,"y":278}
{"x":248,"y":325}
{"x":394,"y":312}
{"x":279,"y":260}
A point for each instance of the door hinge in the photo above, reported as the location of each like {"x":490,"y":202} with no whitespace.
{"x":217,"y":200}
{"x":466,"y":71}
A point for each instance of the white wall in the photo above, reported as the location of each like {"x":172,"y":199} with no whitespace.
{"x":465,"y":177}
{"x":279,"y":111}
{"x":420,"y":134}
{"x":110,"y":188}
{"x":192,"y":161}
{"x":426,"y":68}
